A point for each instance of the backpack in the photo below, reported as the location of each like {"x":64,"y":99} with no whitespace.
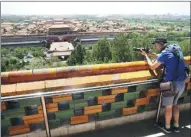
{"x":177,"y":51}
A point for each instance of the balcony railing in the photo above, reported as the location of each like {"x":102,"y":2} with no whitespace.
{"x":51,"y":111}
{"x":78,"y":106}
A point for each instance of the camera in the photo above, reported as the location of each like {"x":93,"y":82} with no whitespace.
{"x":147,"y":50}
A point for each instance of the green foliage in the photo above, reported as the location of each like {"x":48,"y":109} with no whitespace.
{"x":151,"y":34}
{"x":185,"y":45}
{"x":77,"y":56}
{"x":133,"y":35}
{"x":12,"y":58}
{"x":36,"y":64}
{"x":102,"y":51}
{"x":20,"y":53}
{"x":136,"y":42}
{"x":88,"y":59}
{"x":9,"y":64}
{"x":120,"y":49}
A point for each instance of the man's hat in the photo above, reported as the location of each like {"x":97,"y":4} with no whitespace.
{"x":158,"y":40}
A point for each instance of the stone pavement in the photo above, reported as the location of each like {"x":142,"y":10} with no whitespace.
{"x":142,"y":128}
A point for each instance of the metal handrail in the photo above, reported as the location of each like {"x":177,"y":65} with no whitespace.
{"x":78,"y":90}
{"x":42,"y":95}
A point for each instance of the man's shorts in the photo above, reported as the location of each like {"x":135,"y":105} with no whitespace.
{"x":179,"y":89}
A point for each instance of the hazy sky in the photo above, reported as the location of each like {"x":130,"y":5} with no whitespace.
{"x":105,"y":8}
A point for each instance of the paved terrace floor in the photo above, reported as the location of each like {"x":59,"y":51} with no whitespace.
{"x":142,"y":128}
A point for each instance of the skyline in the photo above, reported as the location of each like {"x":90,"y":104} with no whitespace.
{"x":95,"y":8}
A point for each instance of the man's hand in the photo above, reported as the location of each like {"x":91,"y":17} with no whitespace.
{"x":152,"y":65}
{"x":149,"y":54}
{"x":143,"y":53}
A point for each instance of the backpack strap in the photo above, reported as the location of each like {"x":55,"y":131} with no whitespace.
{"x":176,"y":72}
{"x":163,"y":74}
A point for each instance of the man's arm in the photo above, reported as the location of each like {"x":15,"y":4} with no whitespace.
{"x":154,"y":65}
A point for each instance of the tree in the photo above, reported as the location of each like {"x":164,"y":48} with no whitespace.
{"x":120,"y":49}
{"x":161,"y":34}
{"x":135,"y":43}
{"x":38,"y":53}
{"x":185,"y":46}
{"x":4,"y":64}
{"x":77,"y":56}
{"x":88,"y":59}
{"x":5,"y":52}
{"x":51,"y":62}
{"x":20,"y":53}
{"x":133,"y":35}
{"x":9,"y":64}
{"x":102,"y":52}
{"x":151,"y":34}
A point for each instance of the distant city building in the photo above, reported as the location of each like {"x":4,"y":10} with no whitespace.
{"x":161,"y":30}
{"x":49,"y":21}
{"x":58,"y":21}
{"x":60,"y":32}
{"x":6,"y":24}
{"x":28,"y":21}
{"x":59,"y":29}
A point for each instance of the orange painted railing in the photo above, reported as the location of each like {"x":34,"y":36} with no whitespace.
{"x":74,"y":71}
{"x":23,"y":82}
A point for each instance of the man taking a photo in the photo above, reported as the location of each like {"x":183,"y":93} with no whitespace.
{"x":174,"y":70}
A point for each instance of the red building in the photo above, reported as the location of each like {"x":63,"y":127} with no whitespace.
{"x":60,"y":32}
